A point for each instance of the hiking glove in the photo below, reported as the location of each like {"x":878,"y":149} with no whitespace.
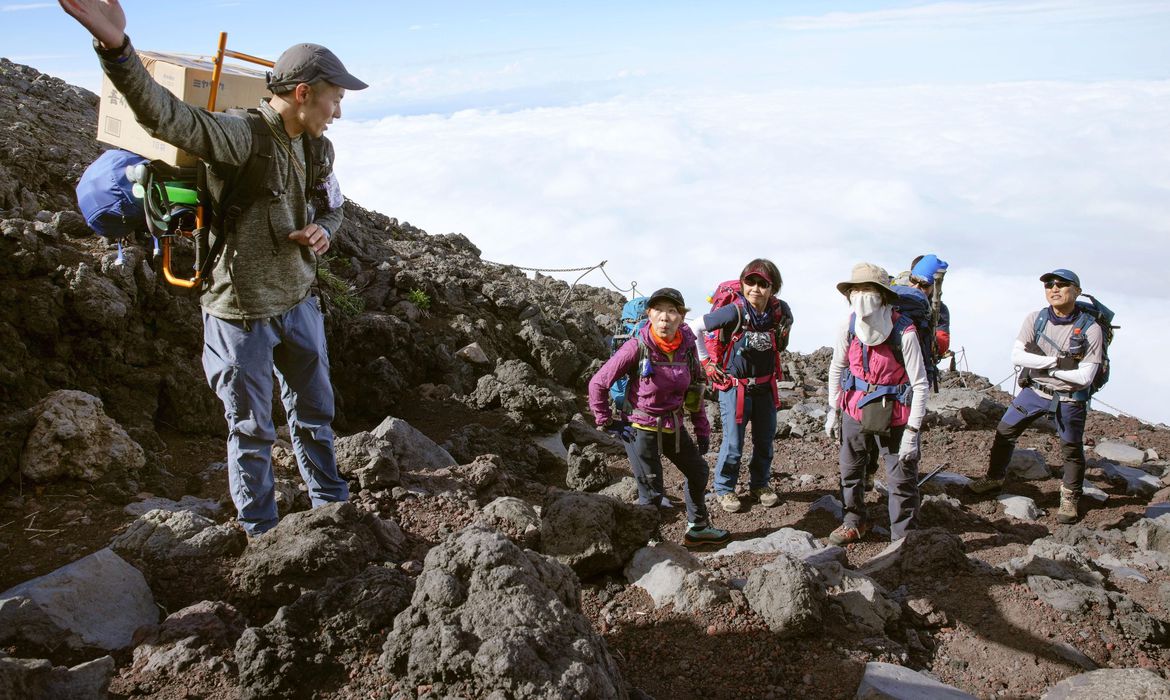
{"x":704,"y":444}
{"x":831,"y":427}
{"x":714,"y":372}
{"x":909,"y":450}
{"x":1067,"y":363}
{"x":620,"y":429}
{"x":1033,"y":348}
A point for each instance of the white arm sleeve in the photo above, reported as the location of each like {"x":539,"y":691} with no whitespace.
{"x":1081,"y":376}
{"x":837,"y":366}
{"x":699,"y":329}
{"x":1023,"y":358}
{"x":916,"y":370}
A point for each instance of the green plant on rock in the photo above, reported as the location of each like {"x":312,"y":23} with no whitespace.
{"x":339,"y":292}
{"x":419,"y":298}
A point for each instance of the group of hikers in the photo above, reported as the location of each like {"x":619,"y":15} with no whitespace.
{"x":261,"y":319}
{"x":878,"y":387}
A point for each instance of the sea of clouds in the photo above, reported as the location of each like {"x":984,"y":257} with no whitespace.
{"x":1005,"y":181}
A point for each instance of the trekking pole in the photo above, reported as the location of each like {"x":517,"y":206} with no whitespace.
{"x":929,"y":476}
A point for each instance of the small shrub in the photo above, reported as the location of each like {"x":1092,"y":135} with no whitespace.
{"x":419,"y":298}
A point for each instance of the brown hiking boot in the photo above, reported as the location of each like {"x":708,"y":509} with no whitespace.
{"x":985,"y":486}
{"x":1069,"y":511}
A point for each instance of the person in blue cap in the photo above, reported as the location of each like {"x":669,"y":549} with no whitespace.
{"x":1059,"y":362}
{"x":922,"y":276}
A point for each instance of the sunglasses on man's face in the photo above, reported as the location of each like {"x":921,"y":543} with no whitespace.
{"x":1059,"y":284}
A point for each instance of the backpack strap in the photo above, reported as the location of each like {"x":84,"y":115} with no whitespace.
{"x":243,"y":185}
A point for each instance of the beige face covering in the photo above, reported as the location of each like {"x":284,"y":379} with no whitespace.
{"x":873,"y":320}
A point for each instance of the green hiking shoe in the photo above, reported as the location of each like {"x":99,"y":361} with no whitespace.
{"x":701,"y":536}
{"x":1069,"y":511}
{"x":986,"y":485}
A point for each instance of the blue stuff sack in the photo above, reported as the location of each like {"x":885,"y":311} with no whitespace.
{"x":106,"y":198}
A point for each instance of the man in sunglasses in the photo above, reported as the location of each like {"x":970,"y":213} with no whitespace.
{"x":1058,"y":362}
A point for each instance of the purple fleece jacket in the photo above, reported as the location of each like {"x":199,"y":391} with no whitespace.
{"x":659,"y":395}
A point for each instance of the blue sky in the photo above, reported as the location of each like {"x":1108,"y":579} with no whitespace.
{"x":678,"y":140}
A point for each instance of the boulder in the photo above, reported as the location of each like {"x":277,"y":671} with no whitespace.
{"x":306,"y":549}
{"x":38,"y":678}
{"x":882,"y":681}
{"x":412,"y":449}
{"x":368,"y":458}
{"x":489,"y":619}
{"x":587,"y":470}
{"x":1151,"y":534}
{"x":1121,"y":453}
{"x":920,"y":552}
{"x":512,"y":517}
{"x":316,"y":640}
{"x":788,"y":595}
{"x":199,"y":506}
{"x":163,"y":537}
{"x":594,"y":534}
{"x":74,"y":438}
{"x":1136,"y":481}
{"x":864,"y":602}
{"x":95,"y":602}
{"x":516,"y":387}
{"x":1029,"y":464}
{"x":198,"y":636}
{"x":785,"y":540}
{"x":671,"y":574}
{"x":1110,"y":683}
{"x":624,"y":490}
{"x":1020,"y":507}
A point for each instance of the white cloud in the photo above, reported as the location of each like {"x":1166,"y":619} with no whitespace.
{"x":26,"y":6}
{"x":959,"y":14}
{"x":1004,"y":181}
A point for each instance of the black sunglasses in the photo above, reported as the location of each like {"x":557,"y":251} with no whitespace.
{"x":1059,"y":284}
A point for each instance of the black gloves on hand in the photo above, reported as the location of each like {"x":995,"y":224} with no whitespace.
{"x":1067,"y":363}
{"x":704,"y":444}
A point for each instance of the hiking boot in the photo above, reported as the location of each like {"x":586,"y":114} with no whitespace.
{"x":730,"y":502}
{"x":703,"y":535}
{"x":868,"y":482}
{"x":1069,"y":511}
{"x":765,"y":496}
{"x":986,"y":485}
{"x":846,"y":534}
{"x":665,"y":502}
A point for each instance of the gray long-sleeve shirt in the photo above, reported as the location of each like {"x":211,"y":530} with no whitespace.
{"x":261,"y":273}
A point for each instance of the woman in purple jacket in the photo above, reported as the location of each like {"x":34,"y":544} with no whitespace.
{"x":665,"y":380}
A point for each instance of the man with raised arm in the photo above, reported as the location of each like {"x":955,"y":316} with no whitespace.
{"x":258,"y":311}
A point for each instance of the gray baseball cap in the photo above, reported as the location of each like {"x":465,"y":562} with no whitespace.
{"x":308,"y":63}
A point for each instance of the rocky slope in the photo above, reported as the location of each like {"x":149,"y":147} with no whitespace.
{"x":491,"y":548}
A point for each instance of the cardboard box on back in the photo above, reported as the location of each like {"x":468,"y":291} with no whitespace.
{"x":189,"y":78}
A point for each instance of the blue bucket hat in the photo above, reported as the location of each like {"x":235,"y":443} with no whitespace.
{"x":1062,"y":274}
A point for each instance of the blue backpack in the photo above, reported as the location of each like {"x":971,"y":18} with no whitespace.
{"x":633,"y":320}
{"x":106,"y":198}
{"x":915,"y":305}
{"x":1092,"y":311}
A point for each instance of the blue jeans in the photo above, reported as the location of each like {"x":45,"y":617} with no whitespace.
{"x":760,"y":412}
{"x":1070,"y":426}
{"x":646,"y":461}
{"x":238,"y":359}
